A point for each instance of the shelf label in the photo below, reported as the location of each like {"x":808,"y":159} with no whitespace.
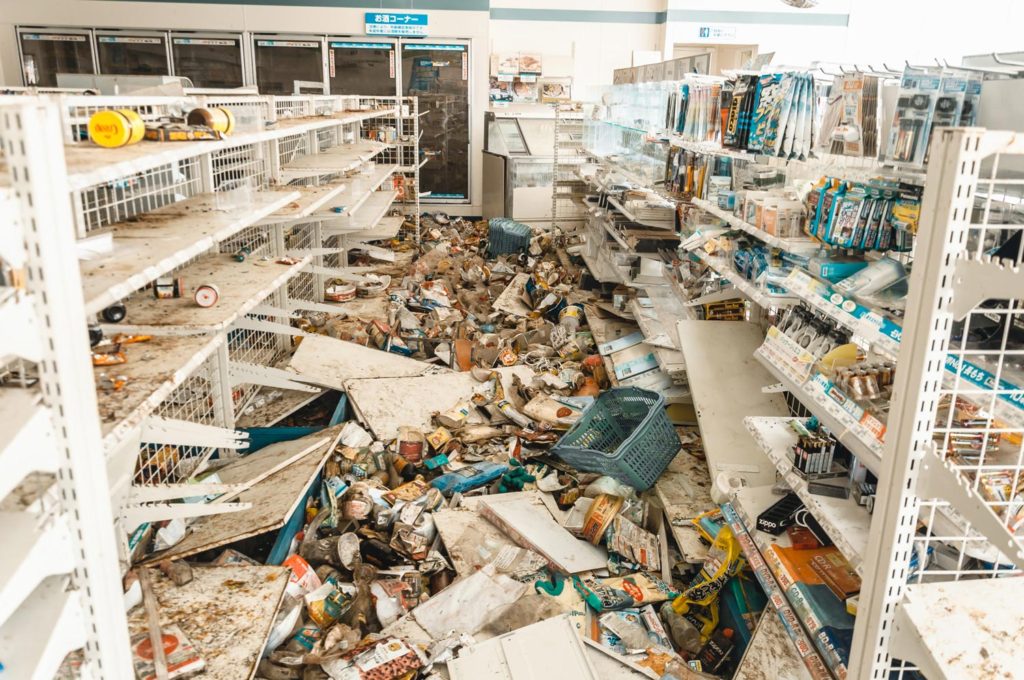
{"x":864,"y":426}
{"x":407,"y":23}
{"x":861,"y":320}
{"x":788,"y":356}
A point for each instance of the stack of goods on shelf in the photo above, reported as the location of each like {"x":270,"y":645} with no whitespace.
{"x":929,"y":99}
{"x":700,"y":113}
{"x":772,"y":114}
{"x":877,"y":215}
{"x":850,"y":125}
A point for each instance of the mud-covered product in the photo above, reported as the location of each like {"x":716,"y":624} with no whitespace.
{"x":716,"y":651}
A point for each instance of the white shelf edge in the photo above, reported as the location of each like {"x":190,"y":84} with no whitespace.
{"x":48,"y":625}
{"x":31,"y":554}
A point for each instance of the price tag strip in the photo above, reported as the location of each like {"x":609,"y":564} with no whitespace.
{"x":814,"y":663}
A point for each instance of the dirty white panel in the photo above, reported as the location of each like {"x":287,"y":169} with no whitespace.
{"x":517,"y":655}
{"x":329,"y":362}
{"x":386,"y":404}
{"x":468,"y":604}
{"x":525,"y":519}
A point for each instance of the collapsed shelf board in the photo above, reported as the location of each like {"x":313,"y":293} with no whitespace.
{"x":276,"y":410}
{"x":334,"y":161}
{"x":386,"y":404}
{"x":684,"y":488}
{"x":242,"y":286}
{"x":771,"y":654}
{"x":154,"y":369}
{"x":150,"y":245}
{"x":273,"y":499}
{"x":311,"y":199}
{"x":369,"y":214}
{"x":328,"y":362}
{"x":226,"y":612}
{"x":726,"y":383}
{"x":364,"y":186}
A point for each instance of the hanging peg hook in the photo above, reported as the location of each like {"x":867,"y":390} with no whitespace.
{"x":1005,"y":62}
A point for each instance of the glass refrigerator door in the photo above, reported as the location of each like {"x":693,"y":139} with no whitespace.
{"x":208,"y":61}
{"x":280,"y":63}
{"x":44,"y":54}
{"x":439,"y":75}
{"x":361,"y":67}
{"x":138,"y":54}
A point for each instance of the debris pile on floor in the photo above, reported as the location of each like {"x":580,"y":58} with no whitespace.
{"x":492,"y":508}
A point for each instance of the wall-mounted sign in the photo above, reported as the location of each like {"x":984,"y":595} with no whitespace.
{"x":380,"y":23}
{"x":716,"y":32}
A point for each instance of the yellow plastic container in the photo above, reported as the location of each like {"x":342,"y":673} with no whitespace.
{"x":116,"y":127}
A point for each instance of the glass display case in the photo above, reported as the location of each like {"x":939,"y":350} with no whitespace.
{"x":208,"y":60}
{"x":138,"y":53}
{"x":45,"y":53}
{"x":283,"y":63}
{"x":438,"y":73}
{"x":636,"y":153}
{"x":361,"y":67}
{"x":519,"y":164}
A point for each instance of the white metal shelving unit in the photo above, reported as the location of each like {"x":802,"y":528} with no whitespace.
{"x":257,"y":215}
{"x":60,"y":589}
{"x":959,"y":516}
{"x":906,"y":623}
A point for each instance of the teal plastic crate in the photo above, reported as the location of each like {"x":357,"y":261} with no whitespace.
{"x":624,"y":434}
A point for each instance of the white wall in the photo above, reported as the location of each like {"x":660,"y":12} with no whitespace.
{"x":593,"y":48}
{"x":472,"y":25}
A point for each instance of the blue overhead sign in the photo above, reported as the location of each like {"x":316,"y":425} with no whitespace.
{"x":397,"y":23}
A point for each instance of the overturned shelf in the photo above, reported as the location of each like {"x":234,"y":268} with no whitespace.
{"x":242,"y":286}
{"x":846,"y":523}
{"x":726,"y":383}
{"x":150,"y":245}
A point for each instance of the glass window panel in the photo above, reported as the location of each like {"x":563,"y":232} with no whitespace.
{"x":363,"y":68}
{"x":208,"y":62}
{"x":132,"y":55}
{"x":439,"y":76}
{"x":44,"y":55}
{"x":279,"y":63}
